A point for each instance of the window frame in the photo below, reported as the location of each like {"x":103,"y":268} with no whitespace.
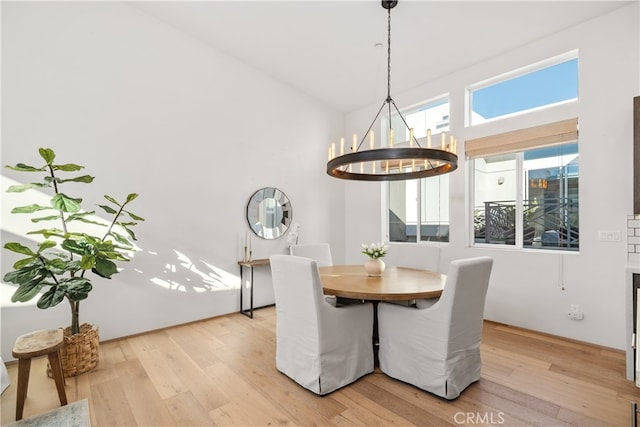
{"x":519,"y":72}
{"x":434,"y":102}
{"x":518,"y":142}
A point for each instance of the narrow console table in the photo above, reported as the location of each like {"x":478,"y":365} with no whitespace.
{"x":249,"y":265}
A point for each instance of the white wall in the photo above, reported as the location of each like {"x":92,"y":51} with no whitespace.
{"x":534,"y":289}
{"x":148,"y":109}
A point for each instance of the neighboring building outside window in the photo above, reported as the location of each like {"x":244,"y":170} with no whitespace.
{"x":418,"y":210}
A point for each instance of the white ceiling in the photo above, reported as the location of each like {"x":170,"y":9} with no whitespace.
{"x":327,"y":48}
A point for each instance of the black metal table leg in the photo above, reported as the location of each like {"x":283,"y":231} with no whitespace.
{"x":249,"y":311}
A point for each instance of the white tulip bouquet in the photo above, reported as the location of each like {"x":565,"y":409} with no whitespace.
{"x":375,"y":250}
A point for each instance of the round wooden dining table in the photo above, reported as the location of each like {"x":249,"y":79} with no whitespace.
{"x":395,"y":283}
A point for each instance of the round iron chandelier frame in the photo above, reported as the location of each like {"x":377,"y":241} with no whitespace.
{"x":419,"y":162}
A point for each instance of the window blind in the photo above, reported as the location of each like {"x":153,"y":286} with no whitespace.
{"x":546,"y":135}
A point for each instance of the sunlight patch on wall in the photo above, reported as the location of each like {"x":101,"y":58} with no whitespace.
{"x":185,"y":275}
{"x":167,"y":284}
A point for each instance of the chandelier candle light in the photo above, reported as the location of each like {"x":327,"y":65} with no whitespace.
{"x":408,"y":160}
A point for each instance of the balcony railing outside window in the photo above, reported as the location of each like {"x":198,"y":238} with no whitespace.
{"x":551,"y":224}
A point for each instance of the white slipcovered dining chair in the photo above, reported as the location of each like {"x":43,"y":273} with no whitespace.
{"x":411,"y":255}
{"x":437,"y":347}
{"x":422,"y":256}
{"x":319,"y":346}
{"x":320,"y":253}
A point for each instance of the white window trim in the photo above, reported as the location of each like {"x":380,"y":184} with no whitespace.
{"x":546,"y":63}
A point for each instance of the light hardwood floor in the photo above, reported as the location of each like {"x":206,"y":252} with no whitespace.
{"x":221,"y":371}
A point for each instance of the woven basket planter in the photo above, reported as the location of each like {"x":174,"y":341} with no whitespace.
{"x":79,"y":354}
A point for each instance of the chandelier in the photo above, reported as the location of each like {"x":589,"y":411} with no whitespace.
{"x":408,"y":160}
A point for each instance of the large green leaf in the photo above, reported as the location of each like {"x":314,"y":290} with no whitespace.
{"x":121,"y":239}
{"x":18,"y":248}
{"x":72,"y":265}
{"x":47,"y":154}
{"x":92,"y":240}
{"x":129,"y":231}
{"x":24,"y":187}
{"x":51,"y":298}
{"x":134,"y":216}
{"x":131,"y":197}
{"x":45,"y":218}
{"x":113,"y":255}
{"x":24,"y":262}
{"x":30,"y":273}
{"x":48,"y":232}
{"x":88,"y":221}
{"x":74,"y":235}
{"x":64,"y":203}
{"x":77,"y":288}
{"x":29,"y":280}
{"x":80,"y":215}
{"x":108,"y":209}
{"x":105,"y":268}
{"x":60,"y":266}
{"x":79,"y":294}
{"x":27,"y":291}
{"x":111,"y":199}
{"x":21,"y":167}
{"x":69,"y":167}
{"x":84,"y":178}
{"x":46,"y":245}
{"x":30,"y":208}
{"x":113,"y":247}
{"x":87,"y":262}
{"x":77,"y":247}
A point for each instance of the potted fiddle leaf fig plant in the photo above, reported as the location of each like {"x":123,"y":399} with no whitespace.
{"x":56,"y":267}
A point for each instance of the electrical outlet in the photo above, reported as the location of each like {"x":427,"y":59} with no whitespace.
{"x":575,"y":313}
{"x":609,"y":235}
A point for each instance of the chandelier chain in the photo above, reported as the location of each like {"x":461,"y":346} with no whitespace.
{"x":389,"y":55}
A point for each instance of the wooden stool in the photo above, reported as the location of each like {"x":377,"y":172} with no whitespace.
{"x":34,"y":344}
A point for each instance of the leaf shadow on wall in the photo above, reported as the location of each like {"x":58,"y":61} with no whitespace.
{"x":181,"y":273}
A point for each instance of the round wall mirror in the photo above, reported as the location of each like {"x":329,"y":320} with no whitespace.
{"x":269,"y":213}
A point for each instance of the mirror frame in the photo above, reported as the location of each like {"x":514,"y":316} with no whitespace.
{"x":284,"y":213}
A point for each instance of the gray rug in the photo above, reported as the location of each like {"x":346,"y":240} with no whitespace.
{"x":75,"y":414}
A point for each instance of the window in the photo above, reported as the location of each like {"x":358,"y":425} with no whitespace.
{"x":525,"y":187}
{"x":550,"y":83}
{"x":418,"y":210}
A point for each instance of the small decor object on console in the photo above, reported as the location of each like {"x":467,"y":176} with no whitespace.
{"x":294,"y":234}
{"x":375,"y":266}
